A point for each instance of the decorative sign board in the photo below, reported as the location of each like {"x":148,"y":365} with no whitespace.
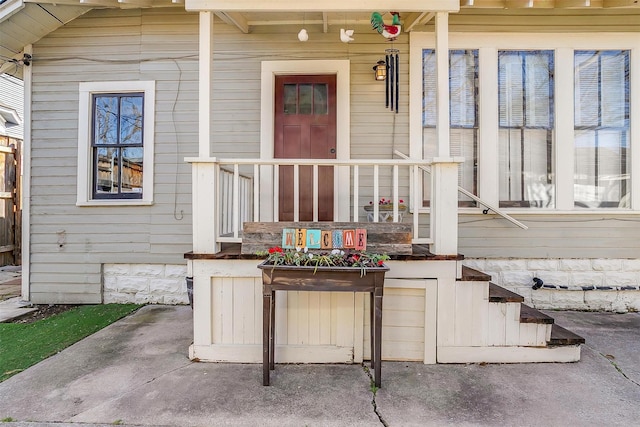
{"x":379,"y":237}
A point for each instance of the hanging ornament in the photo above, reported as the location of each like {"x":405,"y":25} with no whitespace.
{"x":346,"y":35}
{"x":303,"y":36}
{"x":390,"y":32}
{"x":392,"y":88}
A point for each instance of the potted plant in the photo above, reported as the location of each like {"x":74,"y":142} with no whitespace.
{"x":385,"y":210}
{"x":301,"y":259}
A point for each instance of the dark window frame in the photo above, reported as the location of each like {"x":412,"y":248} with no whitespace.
{"x":119,"y":195}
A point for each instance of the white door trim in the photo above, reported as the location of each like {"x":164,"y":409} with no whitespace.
{"x":342,"y":70}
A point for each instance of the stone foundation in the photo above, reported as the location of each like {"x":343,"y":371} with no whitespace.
{"x":144,"y":284}
{"x":569,"y":284}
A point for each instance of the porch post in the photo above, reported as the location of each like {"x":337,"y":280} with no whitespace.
{"x":444,"y":169}
{"x":444,"y":205}
{"x":204,"y":171}
{"x":442,"y":83}
{"x":205,"y":83}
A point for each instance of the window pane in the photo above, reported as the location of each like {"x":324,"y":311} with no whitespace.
{"x":106,"y":120}
{"x":462,"y":88}
{"x":305,"y":98}
{"x":526,"y":148}
{"x":290,"y":98}
{"x":428,"y":88}
{"x":132,"y":170}
{"x":131,"y":120}
{"x":320,"y":99}
{"x":107,"y":170}
{"x":463,"y":96}
{"x":601,"y":133}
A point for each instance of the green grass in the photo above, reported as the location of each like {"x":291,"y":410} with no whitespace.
{"x":24,"y":345}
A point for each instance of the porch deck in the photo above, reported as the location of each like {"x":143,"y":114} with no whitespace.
{"x":230,"y":251}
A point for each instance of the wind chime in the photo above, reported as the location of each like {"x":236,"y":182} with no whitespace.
{"x":389,"y":69}
{"x":392,"y":85}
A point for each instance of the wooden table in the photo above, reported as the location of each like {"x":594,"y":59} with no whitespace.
{"x":341,"y":279}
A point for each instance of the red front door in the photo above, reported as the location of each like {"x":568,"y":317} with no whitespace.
{"x":305,"y":128}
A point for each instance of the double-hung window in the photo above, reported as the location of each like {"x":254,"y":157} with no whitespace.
{"x":525,"y":121}
{"x":116,"y":143}
{"x":601,"y":127}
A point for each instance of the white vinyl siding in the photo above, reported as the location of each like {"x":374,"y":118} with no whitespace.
{"x":69,"y":243}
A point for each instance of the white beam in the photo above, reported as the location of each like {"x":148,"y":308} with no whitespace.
{"x":105,"y":3}
{"x":234,"y":18}
{"x":529,"y":4}
{"x":621,"y":3}
{"x":571,"y":4}
{"x":323,"y":6}
{"x":137,"y":3}
{"x":325,"y":22}
{"x":205,"y":86}
{"x":417,"y":19}
{"x":442,"y":83}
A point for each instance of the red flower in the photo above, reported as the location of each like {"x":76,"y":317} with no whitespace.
{"x":380,"y":263}
{"x":275,"y":249}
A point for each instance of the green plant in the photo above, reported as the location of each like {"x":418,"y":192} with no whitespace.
{"x":24,"y":345}
{"x":8,"y":420}
{"x":336,"y":258}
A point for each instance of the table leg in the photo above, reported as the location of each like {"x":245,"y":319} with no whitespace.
{"x":272,"y":337}
{"x":266,"y":329}
{"x":378,"y":338}
{"x":372,"y":329}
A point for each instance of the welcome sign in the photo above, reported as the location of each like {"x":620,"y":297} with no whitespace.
{"x":324,"y":239}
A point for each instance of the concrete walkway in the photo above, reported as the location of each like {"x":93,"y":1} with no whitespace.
{"x":136,"y":372}
{"x":11,"y":304}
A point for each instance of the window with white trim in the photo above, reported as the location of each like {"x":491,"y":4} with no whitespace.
{"x":115,"y":143}
{"x":555,"y":115}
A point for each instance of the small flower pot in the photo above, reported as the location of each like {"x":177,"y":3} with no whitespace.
{"x":385,"y":212}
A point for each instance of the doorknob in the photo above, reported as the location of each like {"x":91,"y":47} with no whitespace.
{"x":332,"y":151}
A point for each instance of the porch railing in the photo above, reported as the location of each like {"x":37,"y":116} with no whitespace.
{"x":227,"y":192}
{"x":235,"y":200}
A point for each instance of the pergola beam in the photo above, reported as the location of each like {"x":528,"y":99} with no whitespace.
{"x":234,"y":18}
{"x":322,"y":6}
{"x":417,"y":19}
{"x":548,"y":4}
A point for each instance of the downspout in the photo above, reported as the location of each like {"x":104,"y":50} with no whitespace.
{"x":26,"y":178}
